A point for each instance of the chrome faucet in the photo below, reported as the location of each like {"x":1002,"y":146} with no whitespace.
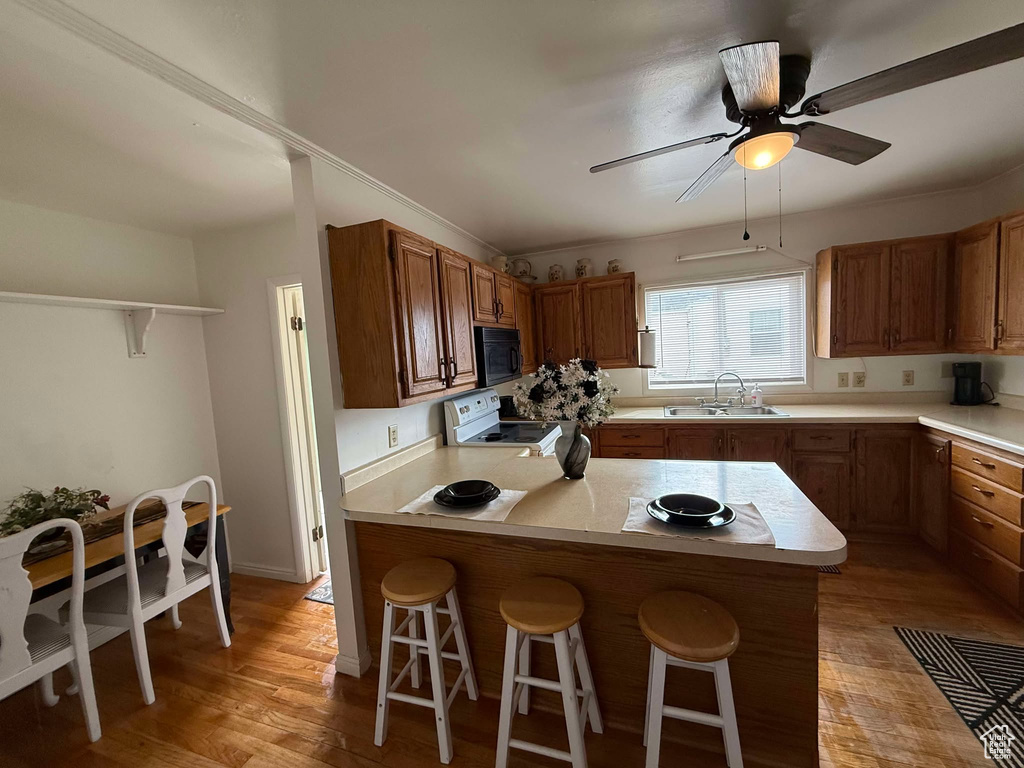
{"x":742,"y":391}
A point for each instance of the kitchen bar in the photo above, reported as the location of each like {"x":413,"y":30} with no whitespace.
{"x":573,"y":530}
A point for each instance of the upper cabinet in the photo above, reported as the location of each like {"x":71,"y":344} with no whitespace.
{"x":525,"y":322}
{"x":609,"y":320}
{"x":494,"y":297}
{"x":559,"y":326}
{"x":857,"y":280}
{"x":919,"y":295}
{"x":403,"y":311}
{"x":1010,"y":328}
{"x":593,"y":317}
{"x":975,"y":273}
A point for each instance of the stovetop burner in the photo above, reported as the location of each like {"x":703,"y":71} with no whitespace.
{"x":513,"y":432}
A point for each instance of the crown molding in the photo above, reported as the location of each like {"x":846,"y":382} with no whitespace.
{"x":141,"y":58}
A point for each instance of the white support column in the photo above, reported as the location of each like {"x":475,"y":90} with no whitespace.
{"x":325,"y":378}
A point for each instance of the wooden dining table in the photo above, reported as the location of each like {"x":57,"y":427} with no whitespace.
{"x":104,"y":551}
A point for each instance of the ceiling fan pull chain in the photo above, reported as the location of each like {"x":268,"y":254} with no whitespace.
{"x":780,"y":205}
{"x":746,"y":235}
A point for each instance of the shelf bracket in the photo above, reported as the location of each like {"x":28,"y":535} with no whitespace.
{"x":136,"y":325}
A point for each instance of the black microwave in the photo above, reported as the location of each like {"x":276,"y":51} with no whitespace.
{"x":498,"y":355}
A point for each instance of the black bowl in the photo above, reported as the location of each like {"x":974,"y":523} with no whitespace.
{"x":689,"y":505}
{"x":463,"y":502}
{"x":468,"y":489}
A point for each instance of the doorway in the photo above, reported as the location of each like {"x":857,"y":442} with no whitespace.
{"x":298,"y":427}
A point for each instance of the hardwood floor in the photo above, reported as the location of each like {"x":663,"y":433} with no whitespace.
{"x":272,"y":699}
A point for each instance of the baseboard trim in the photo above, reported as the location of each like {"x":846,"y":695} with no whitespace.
{"x":262,"y":572}
{"x":347,"y":665}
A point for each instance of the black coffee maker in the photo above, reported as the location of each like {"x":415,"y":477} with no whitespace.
{"x":967,"y":384}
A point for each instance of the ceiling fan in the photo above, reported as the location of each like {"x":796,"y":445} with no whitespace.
{"x":763,"y":86}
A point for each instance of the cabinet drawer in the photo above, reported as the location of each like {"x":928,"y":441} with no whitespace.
{"x":814,"y":440}
{"x":990,"y":467}
{"x":987,"y":568}
{"x":625,"y":437}
{"x":987,"y":529}
{"x":635,"y":452}
{"x":987,"y":495}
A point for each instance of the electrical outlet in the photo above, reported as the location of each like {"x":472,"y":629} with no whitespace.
{"x":908,"y":378}
{"x":392,"y":435}
{"x":844,"y":379}
{"x":859,"y":377}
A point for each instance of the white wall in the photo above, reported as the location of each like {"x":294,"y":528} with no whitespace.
{"x":804,"y":234}
{"x":75,"y":410}
{"x":233,"y":267}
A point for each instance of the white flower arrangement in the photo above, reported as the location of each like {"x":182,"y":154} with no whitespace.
{"x":578,"y":391}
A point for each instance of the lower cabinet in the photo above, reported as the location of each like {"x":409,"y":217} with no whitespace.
{"x":826,"y":479}
{"x":696,"y":444}
{"x":758,"y":444}
{"x":883,"y":479}
{"x":931,"y":489}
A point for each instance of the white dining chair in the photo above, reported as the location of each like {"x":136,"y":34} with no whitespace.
{"x":32,"y":646}
{"x":158,"y":586}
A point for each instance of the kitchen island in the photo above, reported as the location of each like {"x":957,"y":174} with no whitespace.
{"x":572,"y":530}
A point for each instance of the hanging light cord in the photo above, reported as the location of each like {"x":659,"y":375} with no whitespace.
{"x":780,"y":205}
{"x":746,"y":234}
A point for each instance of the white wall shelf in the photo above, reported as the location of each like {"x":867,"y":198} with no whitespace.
{"x":138,"y":315}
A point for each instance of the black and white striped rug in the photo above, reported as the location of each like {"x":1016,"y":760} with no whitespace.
{"x":985,"y":684}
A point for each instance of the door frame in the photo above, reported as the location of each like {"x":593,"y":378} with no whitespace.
{"x":302,"y":518}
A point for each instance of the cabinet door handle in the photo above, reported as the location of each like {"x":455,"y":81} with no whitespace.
{"x":719,"y":444}
{"x":981,"y":463}
{"x":441,"y":368}
{"x":454,"y":369}
{"x":939,"y":452}
{"x":886,"y":333}
{"x":979,"y":521}
{"x":982,"y":491}
{"x":821,"y":437}
{"x":896,"y":336}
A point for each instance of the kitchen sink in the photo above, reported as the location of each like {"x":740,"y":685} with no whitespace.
{"x":702,"y":411}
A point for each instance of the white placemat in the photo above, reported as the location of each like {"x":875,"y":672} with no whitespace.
{"x":494,"y":511}
{"x":749,"y":527}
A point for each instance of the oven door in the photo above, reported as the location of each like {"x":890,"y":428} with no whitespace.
{"x":498,"y":355}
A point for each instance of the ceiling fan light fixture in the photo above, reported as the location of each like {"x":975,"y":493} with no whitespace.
{"x":764,"y":151}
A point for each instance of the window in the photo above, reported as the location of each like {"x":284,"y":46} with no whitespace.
{"x":754,"y":326}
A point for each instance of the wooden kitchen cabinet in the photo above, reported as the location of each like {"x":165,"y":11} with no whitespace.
{"x":1010,"y":328}
{"x":975,"y":262}
{"x":696,"y":443}
{"x":826,"y":479}
{"x":526,"y":323}
{"x":919,"y":295}
{"x":609,"y":320}
{"x":418,"y":302}
{"x":853,"y":287}
{"x":494,"y":297}
{"x":457,"y":303}
{"x":883,"y":479}
{"x":931,"y":489}
{"x":559,"y":324}
{"x":403,"y":316}
{"x":758,"y":444}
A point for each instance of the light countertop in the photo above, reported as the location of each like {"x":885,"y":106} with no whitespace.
{"x":997,"y":426}
{"x":594,"y":509}
{"x":1000,"y":427}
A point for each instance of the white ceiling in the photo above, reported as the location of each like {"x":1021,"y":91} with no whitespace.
{"x":490,"y":112}
{"x":86,"y":133}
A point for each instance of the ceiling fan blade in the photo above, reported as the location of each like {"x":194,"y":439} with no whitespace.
{"x":850,"y":147}
{"x":753,"y":72}
{"x":707,"y":178}
{"x":662,"y":151}
{"x":1005,"y":45}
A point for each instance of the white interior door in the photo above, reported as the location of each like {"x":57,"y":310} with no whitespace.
{"x":305,"y":426}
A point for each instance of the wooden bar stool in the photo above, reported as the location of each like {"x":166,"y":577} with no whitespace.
{"x":688,"y":630}
{"x":547,"y":611}
{"x":417,"y":587}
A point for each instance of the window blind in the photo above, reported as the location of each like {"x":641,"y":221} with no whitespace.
{"x":755,"y":327}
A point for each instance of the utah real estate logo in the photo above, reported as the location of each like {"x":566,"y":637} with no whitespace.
{"x":997,"y":741}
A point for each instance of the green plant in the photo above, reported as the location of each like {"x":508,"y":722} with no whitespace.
{"x":33,"y":507}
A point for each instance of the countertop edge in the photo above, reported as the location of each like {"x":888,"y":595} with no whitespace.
{"x":971,"y":434}
{"x":704,"y":548}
